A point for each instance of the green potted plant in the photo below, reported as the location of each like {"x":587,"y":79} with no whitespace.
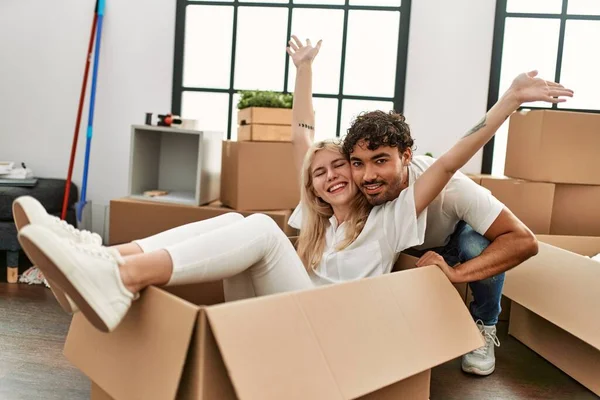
{"x":264,"y":116}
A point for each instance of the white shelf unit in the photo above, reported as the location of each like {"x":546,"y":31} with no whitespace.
{"x":185,"y":163}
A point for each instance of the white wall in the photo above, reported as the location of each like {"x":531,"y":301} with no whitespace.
{"x":450,"y":47}
{"x":43,"y":46}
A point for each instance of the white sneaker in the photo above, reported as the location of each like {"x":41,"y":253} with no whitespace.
{"x":89,"y":275}
{"x":482,"y":361}
{"x":28,"y":210}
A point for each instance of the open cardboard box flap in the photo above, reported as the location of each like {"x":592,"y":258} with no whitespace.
{"x":558,"y":285}
{"x":341,"y":341}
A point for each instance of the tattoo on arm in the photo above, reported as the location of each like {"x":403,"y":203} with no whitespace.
{"x":477,"y":127}
{"x":306,"y":126}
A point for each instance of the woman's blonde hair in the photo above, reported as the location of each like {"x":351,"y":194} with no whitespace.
{"x":316,"y":212}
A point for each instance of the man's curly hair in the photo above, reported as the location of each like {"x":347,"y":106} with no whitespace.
{"x":378,"y":128}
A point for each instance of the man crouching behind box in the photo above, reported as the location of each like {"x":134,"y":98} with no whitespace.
{"x":467,"y":227}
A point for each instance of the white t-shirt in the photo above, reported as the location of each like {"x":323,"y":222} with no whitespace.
{"x":461,"y":199}
{"x":390,"y":228}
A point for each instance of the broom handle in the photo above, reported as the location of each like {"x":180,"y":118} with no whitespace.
{"x":63,"y":214}
{"x":88,"y":144}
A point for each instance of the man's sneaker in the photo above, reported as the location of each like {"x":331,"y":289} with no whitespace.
{"x":28,"y":210}
{"x":482,"y":361}
{"x":89,"y":275}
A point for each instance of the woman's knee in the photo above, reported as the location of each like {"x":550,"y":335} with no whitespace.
{"x":232,"y":217}
{"x":263,"y":222}
{"x":266,"y":225}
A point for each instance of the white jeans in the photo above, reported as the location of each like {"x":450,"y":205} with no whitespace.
{"x":252,"y":255}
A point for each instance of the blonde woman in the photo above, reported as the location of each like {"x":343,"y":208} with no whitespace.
{"x":342,"y":237}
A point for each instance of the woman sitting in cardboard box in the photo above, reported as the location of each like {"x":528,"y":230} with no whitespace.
{"x":342,"y":238}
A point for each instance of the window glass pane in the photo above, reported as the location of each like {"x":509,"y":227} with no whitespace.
{"x":325,"y":118}
{"x":534,"y":6}
{"x":584,"y":7}
{"x":210,"y":109}
{"x":260,"y":49}
{"x":334,"y":2}
{"x":371,"y":53}
{"x":212,"y":1}
{"x":528,"y":44}
{"x":388,"y":3}
{"x":264,"y":1}
{"x":207,"y":53}
{"x":351,"y":109}
{"x":317,"y":24}
{"x":580,"y":64}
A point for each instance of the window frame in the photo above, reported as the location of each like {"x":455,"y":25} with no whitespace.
{"x":496,"y":62}
{"x":178,"y":63}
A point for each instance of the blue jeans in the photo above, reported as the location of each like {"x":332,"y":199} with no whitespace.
{"x":464,"y":245}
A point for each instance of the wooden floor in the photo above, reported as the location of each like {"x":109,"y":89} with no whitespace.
{"x":32,"y":366}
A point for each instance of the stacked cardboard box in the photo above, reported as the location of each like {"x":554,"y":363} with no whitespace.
{"x":258,"y":171}
{"x":552,"y":184}
{"x":265,"y":124}
{"x":552,"y":180}
{"x":560,"y":148}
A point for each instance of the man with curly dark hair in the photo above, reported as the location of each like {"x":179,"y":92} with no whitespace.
{"x":470,"y":235}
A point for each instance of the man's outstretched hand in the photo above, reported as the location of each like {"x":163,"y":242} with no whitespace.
{"x":526,"y":87}
{"x":300,"y":53}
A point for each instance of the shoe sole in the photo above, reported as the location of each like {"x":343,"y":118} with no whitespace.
{"x":58,"y":272}
{"x":21,"y":221}
{"x":477,"y":371}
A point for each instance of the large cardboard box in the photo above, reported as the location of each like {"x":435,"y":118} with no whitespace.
{"x":555,"y":305}
{"x":135,"y":219}
{"x":372,"y":338}
{"x":406,"y":262}
{"x":531,"y":202}
{"x":576,"y":210}
{"x":554,"y":146}
{"x":259,"y":176}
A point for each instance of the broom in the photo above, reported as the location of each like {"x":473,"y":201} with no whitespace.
{"x":86,"y":163}
{"x":88,"y":60}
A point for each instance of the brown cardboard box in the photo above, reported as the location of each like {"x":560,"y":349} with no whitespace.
{"x":555,"y":303}
{"x":364,"y":339}
{"x":406,"y":261}
{"x":265,"y":116}
{"x":531,"y":202}
{"x":576,"y":210}
{"x":135,"y":219}
{"x":554,"y":146}
{"x":265,"y":124}
{"x":259,"y":176}
{"x":264,"y":133}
